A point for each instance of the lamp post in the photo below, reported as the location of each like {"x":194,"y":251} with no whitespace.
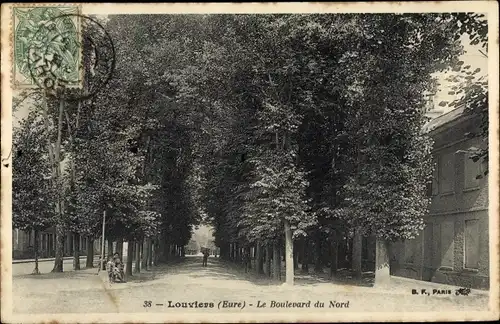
{"x":102,"y":243}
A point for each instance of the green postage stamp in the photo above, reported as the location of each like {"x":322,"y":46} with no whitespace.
{"x":46,"y":47}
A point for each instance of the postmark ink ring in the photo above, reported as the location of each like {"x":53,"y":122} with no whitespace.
{"x":59,"y":56}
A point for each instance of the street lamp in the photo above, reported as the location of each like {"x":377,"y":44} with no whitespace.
{"x":102,"y":243}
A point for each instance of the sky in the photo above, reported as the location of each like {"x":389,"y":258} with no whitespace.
{"x":471,"y":57}
{"x":203,"y":235}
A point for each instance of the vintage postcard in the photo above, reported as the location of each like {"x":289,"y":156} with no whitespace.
{"x":260,"y":162}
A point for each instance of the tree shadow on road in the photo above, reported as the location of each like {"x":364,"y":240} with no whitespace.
{"x":144,"y":275}
{"x":218,"y":269}
{"x":155,"y":272}
{"x":221,"y":270}
{"x":79,"y":274}
{"x":344,"y":277}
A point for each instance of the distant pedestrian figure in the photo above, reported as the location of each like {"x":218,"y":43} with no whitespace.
{"x":246,"y":260}
{"x":205,"y":258}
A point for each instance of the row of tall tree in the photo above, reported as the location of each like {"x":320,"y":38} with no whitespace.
{"x":272,"y":128}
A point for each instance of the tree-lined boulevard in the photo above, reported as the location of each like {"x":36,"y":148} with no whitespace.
{"x":288,"y":134}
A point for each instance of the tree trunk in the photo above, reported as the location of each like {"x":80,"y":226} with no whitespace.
{"x":57,"y":177}
{"x":153,"y":250}
{"x":58,"y":262}
{"x":54,"y":243}
{"x":104,"y":254}
{"x":76,"y":251}
{"x":238,"y":252}
{"x":382,"y":265}
{"x":162,"y":250}
{"x":65,"y":245}
{"x":119,"y":247}
{"x":334,"y":257}
{"x":258,"y":259}
{"x":357,"y":245}
{"x":150,"y":252}
{"x":295,"y":256}
{"x":269,"y":250}
{"x":156,"y":252}
{"x":318,"y":266}
{"x":130,"y":258}
{"x":227,"y":251}
{"x":110,"y":249}
{"x":90,"y":253}
{"x":138,"y":257}
{"x":288,"y":253}
{"x":36,"y":234}
{"x":71,"y":241}
{"x":276,"y":261}
{"x":145,"y":254}
{"x":305,"y":256}
{"x":224,"y":251}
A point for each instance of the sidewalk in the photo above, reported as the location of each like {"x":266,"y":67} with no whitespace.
{"x":398,"y":285}
{"x":47,"y":259}
{"x":406,"y":283}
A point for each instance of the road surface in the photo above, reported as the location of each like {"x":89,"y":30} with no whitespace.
{"x":219,"y":284}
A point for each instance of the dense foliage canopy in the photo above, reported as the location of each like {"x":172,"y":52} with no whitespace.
{"x":246,"y":122}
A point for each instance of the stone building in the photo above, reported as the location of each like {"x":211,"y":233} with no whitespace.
{"x":23,"y":244}
{"x":453,"y":247}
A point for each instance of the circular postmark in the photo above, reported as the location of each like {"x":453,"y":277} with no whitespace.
{"x":71,"y":60}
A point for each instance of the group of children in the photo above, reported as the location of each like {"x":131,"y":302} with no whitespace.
{"x":115,"y":268}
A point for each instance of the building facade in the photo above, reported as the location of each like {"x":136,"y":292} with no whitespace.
{"x":453,"y":248}
{"x":23,"y":244}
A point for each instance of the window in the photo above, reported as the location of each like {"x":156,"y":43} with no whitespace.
{"x":433,"y":185}
{"x":364,"y":248}
{"x":410,"y":248}
{"x":447,"y":173}
{"x":29,"y":238}
{"x":472,"y":244}
{"x":447,"y":243}
{"x":50,"y":243}
{"x":428,"y":240}
{"x":471,"y":171}
{"x":43,"y":239}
